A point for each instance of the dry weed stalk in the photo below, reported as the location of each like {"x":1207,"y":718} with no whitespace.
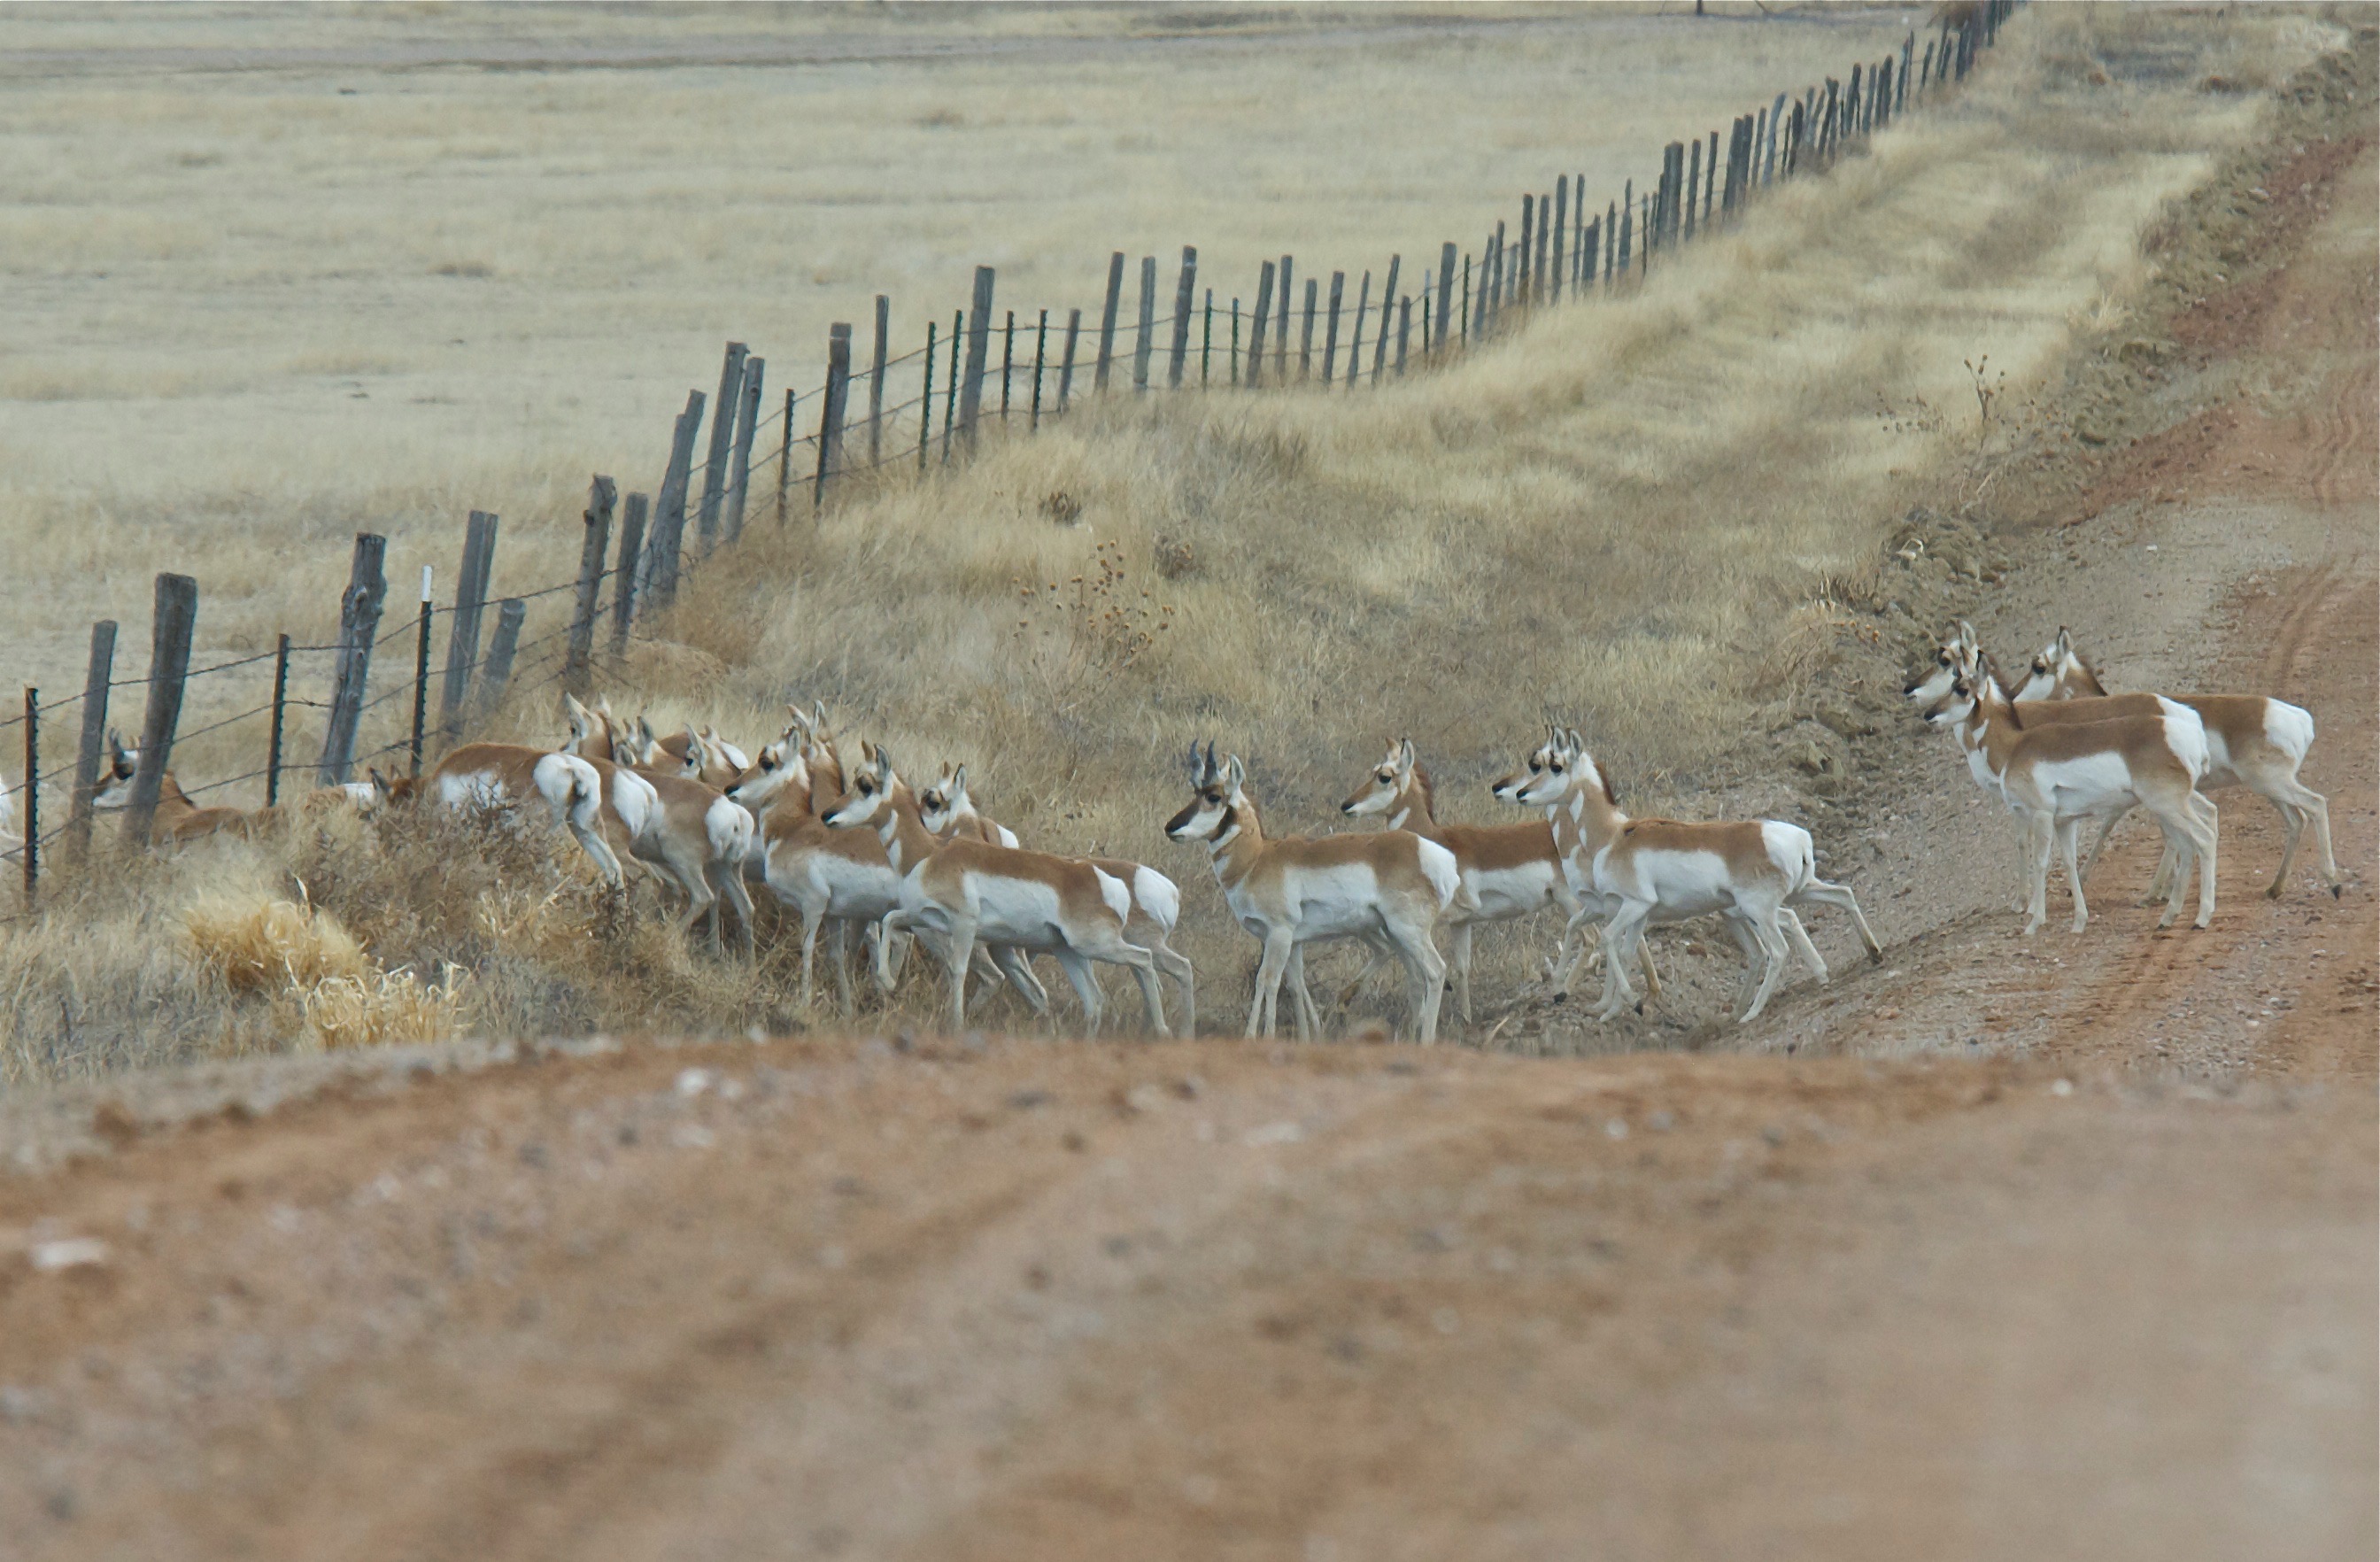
{"x":388,"y":1008}
{"x":274,"y":945}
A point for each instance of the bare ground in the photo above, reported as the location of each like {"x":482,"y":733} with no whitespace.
{"x":2050,"y":1248}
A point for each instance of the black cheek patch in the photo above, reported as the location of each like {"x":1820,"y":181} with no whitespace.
{"x":1231,"y":817}
{"x":1181,"y":819}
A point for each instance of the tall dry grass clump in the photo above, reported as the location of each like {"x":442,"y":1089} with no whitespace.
{"x":274,"y":944}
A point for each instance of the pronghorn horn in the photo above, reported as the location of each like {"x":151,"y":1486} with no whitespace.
{"x":1212,"y":774}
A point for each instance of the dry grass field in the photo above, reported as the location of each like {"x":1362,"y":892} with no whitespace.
{"x":272,"y":313}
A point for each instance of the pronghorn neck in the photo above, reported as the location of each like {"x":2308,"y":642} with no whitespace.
{"x":1239,"y":846}
{"x":171,"y":798}
{"x":1590,"y":809}
{"x":906,"y":840}
{"x":1414,"y":808}
{"x":1992,"y":727}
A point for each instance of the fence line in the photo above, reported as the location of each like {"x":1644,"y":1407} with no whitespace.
{"x":1564,"y":250}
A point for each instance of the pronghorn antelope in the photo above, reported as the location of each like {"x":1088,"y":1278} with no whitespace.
{"x":960,"y":891}
{"x":1511,"y":870}
{"x":696,"y":835}
{"x":838,"y":877}
{"x":2056,"y":774}
{"x":591,"y":801}
{"x":1751,"y":873}
{"x":2252,"y":740}
{"x":8,"y":836}
{"x":945,"y":810}
{"x":177,"y":818}
{"x":1393,"y":886}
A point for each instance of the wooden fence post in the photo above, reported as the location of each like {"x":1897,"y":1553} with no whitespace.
{"x":1523,"y":280}
{"x":1539,"y":280}
{"x":1280,"y":323}
{"x":1710,"y":181}
{"x":838,"y":387}
{"x":1108,"y":321}
{"x":1627,"y":237}
{"x":1355,"y":342}
{"x":1561,"y":234}
{"x":1144,"y":337}
{"x":594,"y":541}
{"x":1612,"y":266}
{"x":1496,"y":266}
{"x":1185,"y":298}
{"x":1589,"y":241}
{"x":1404,"y":332}
{"x":1257,"y":325}
{"x":1445,"y":296}
{"x":1067,"y":369}
{"x":669,"y":508}
{"x":509,"y":614}
{"x":93,"y":748}
{"x":723,"y":428}
{"x":280,"y":726}
{"x":1331,"y":331}
{"x":740,"y":462}
{"x":29,"y":854}
{"x":1306,"y":338}
{"x":979,"y":348}
{"x":1388,"y":297}
{"x":875,"y":381}
{"x":1040,"y":362}
{"x":360,"y":608}
{"x":627,"y":571}
{"x":1693,"y":191}
{"x":421,"y":674}
{"x":463,"y":633}
{"x":169,"y":665}
{"x":1900,"y":84}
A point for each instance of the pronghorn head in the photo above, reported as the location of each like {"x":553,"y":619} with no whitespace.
{"x":1559,"y":766}
{"x":1215,"y":808}
{"x":1959,"y":653}
{"x":945,"y":802}
{"x":1967,"y":700}
{"x":777,"y":766}
{"x":2058,"y":672}
{"x":870,"y":793}
{"x":393,"y":789}
{"x":115,"y":789}
{"x":1389,"y":781}
{"x":590,"y":732}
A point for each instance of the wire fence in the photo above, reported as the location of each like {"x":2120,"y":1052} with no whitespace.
{"x":1566,"y":251}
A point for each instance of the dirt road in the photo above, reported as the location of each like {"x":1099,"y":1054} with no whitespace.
{"x":2058,"y":1248}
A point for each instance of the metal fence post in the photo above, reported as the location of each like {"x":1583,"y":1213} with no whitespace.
{"x":31,"y":851}
{"x":280,"y":722}
{"x":421,"y":672}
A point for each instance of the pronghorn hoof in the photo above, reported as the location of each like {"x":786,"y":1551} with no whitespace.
{"x":1875,"y":956}
{"x":2335,"y":890}
{"x":2273,"y":893}
{"x":1640,"y":1006}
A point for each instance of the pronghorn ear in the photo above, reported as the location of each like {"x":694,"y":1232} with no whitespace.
{"x":958,"y":780}
{"x":1234,"y":773}
{"x":800,"y":720}
{"x":2064,"y":642}
{"x":818,"y":714}
{"x":1404,"y":753}
{"x":1967,"y":635}
{"x":883,"y":764}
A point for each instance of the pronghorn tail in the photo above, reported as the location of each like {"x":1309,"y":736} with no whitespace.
{"x":1158,"y":897}
{"x":1796,"y":854}
{"x":2288,"y":728}
{"x":1438,"y":867}
{"x":1113,"y":891}
{"x":730,"y":826}
{"x":2185,"y":734}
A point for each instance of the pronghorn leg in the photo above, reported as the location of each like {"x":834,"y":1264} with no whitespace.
{"x":1115,"y":949}
{"x":1827,"y":894}
{"x":879,"y":964}
{"x":959,"y":954}
{"x":2179,"y":826}
{"x":1304,"y":1014}
{"x":2203,"y":816}
{"x":1619,"y":939}
{"x":596,"y":847}
{"x":2300,"y":804}
{"x":812,"y":922}
{"x":1573,"y":948}
{"x":1428,"y":969}
{"x":839,"y":951}
{"x":1178,"y":970}
{"x":2039,"y":831}
{"x":1079,"y":971}
{"x":2067,"y":830}
{"x":1264,"y":1010}
{"x":1799,"y":938}
{"x":1460,"y":949}
{"x":1774,"y":958}
{"x":1741,"y":928}
{"x":1011,"y":963}
{"x":729,"y":885}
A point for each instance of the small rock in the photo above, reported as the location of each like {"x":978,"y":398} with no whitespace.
{"x":692,"y":1082}
{"x":67,"y":1252}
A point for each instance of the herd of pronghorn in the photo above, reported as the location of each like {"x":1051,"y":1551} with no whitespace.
{"x":858,"y":846}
